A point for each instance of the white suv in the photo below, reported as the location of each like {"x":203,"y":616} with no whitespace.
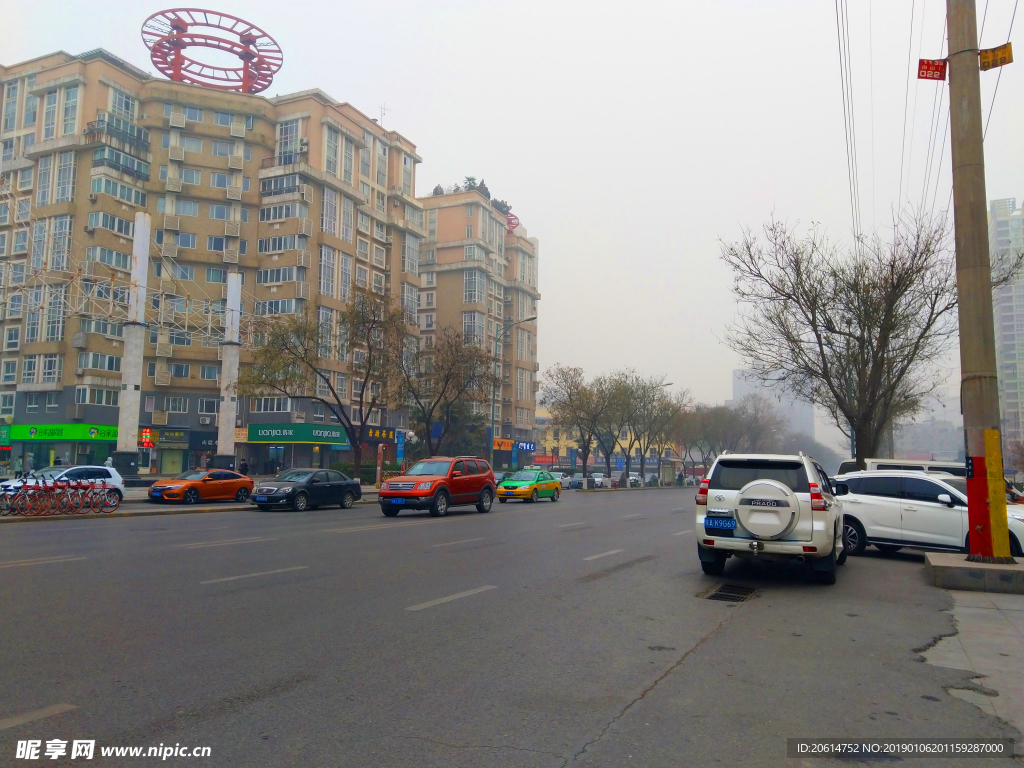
{"x":901,"y":508}
{"x":769,"y":507}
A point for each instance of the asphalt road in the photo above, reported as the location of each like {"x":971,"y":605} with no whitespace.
{"x":538,"y":635}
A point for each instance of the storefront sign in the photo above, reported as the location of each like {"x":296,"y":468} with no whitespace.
{"x":146,"y":438}
{"x":72,"y":432}
{"x":526,"y":446}
{"x":172,"y":438}
{"x":202,"y":441}
{"x":5,"y":437}
{"x":545,"y":459}
{"x":380,"y":435}
{"x":501,"y":444}
{"x":296,"y":433}
{"x":241,"y":434}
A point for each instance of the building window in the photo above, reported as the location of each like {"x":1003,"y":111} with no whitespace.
{"x":473,"y":327}
{"x":220,"y":212}
{"x":123,"y":105}
{"x":209,"y":372}
{"x":179,"y":370}
{"x":52,"y":401}
{"x":10,"y":372}
{"x":221,"y":149}
{"x":32,"y":402}
{"x":329,"y":212}
{"x":345,"y":279}
{"x":410,"y":254}
{"x":346,"y":171}
{"x":66,"y":177}
{"x":218,"y":180}
{"x":209,"y":405}
{"x":7,"y":404}
{"x":288,"y":142}
{"x":176,"y":404}
{"x":346,"y":220}
{"x":269,"y":405}
{"x":327,"y":267}
{"x":378,"y":283}
{"x":378,"y":256}
{"x":331,"y":156}
{"x":10,"y":121}
{"x":474,"y":285}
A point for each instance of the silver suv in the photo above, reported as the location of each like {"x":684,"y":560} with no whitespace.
{"x":770,"y":507}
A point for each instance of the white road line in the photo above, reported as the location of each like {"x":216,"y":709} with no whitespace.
{"x":452,"y":543}
{"x":603,"y":554}
{"x":457,"y":596}
{"x":631,"y":517}
{"x":204,"y":544}
{"x":182,"y":530}
{"x":40,"y":561}
{"x":39,"y":714}
{"x":251,"y":575}
{"x":681,"y":533}
{"x":570,"y":525}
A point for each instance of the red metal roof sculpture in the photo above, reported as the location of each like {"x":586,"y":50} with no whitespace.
{"x":172,"y":35}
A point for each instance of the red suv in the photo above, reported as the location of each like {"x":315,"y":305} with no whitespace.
{"x":439,"y":483}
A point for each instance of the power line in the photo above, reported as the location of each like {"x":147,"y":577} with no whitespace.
{"x":906,"y":100}
{"x":1000,"y":76}
{"x":871,"y":86}
{"x":849,"y":126}
{"x":933,"y":128}
{"x":917,"y":88}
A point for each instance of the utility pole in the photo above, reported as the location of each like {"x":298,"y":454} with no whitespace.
{"x":979,"y":388}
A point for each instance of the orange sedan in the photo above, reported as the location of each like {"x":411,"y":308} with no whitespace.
{"x":202,"y":485}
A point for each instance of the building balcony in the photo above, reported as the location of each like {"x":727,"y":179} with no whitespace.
{"x":398,"y":221}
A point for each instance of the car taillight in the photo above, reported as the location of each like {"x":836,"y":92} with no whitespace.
{"x":817,"y":500}
{"x":702,"y":493}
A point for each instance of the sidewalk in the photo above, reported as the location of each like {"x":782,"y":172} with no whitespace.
{"x":990,"y":642}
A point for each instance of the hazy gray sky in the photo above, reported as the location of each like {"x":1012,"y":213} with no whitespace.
{"x":629,"y":137}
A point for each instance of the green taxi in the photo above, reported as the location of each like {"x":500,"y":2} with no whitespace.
{"x":529,"y":485}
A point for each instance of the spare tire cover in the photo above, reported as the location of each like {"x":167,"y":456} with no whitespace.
{"x":767,"y":509}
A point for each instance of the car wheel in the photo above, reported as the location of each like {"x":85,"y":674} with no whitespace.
{"x":717,"y":568}
{"x":347,"y":500}
{"x":888,"y":549}
{"x":825,"y":572}
{"x":554,"y":496}
{"x":191,"y":496}
{"x":486,"y":499}
{"x":856,"y":540}
{"x":502,"y":501}
{"x":534,"y":496}
{"x":242,"y":495}
{"x":390,"y":511}
{"x":301,"y":502}
{"x":440,"y":506}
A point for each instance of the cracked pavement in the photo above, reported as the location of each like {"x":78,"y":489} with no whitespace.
{"x":560,"y":661}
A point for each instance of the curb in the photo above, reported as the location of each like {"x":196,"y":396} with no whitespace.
{"x":143,"y":513}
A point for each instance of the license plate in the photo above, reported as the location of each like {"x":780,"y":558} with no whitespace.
{"x":261,"y":498}
{"x":398,"y":501}
{"x":155,"y":493}
{"x":720,"y":522}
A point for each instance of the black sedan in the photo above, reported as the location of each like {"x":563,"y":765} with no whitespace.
{"x":301,"y":489}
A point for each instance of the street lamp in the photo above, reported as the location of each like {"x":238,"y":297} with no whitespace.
{"x":497,"y":341}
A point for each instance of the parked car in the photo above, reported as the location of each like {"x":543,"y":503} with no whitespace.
{"x":576,"y":481}
{"x":301,"y":489}
{"x":896,"y":509}
{"x":83,"y":474}
{"x":564,"y":479}
{"x":769,"y":507}
{"x":600,"y":481}
{"x":439,"y":483}
{"x":958,"y":469}
{"x":202,"y":485}
{"x":529,"y":485}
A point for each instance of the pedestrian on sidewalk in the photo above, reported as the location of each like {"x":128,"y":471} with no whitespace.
{"x":18,"y":466}
{"x":244,"y":467}
{"x":109,"y":462}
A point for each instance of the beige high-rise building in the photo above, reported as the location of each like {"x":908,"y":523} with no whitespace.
{"x":303,"y":195}
{"x":478,"y":277}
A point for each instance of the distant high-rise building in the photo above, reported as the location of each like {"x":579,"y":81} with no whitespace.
{"x":799,"y":415}
{"x":1006,"y":235}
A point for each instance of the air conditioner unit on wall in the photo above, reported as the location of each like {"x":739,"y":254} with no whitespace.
{"x":204,"y":419}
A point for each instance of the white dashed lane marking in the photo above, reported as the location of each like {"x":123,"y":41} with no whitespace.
{"x":253,"y":575}
{"x":38,"y":714}
{"x":224,"y":543}
{"x":570,"y":525}
{"x":681,"y":533}
{"x":40,"y":561}
{"x":453,"y":543}
{"x":603,"y":554}
{"x":456,"y":596}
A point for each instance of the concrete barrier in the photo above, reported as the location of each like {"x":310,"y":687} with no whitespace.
{"x":952,"y":571}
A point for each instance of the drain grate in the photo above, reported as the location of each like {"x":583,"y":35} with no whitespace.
{"x":732,"y":593}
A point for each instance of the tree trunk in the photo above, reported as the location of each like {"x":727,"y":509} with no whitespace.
{"x":866,"y":445}
{"x":608,"y":464}
{"x":643,"y":470}
{"x":586,"y":455}
{"x":357,"y":460}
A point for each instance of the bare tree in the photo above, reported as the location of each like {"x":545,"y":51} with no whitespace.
{"x":294,"y":356}
{"x":574,"y":403}
{"x":858,"y":333}
{"x":654,"y":411}
{"x":437,"y":377}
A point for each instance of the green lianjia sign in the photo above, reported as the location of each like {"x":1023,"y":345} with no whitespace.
{"x":75,"y":432}
{"x":297,"y":433}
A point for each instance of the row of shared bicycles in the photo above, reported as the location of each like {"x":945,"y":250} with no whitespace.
{"x":39,"y":496}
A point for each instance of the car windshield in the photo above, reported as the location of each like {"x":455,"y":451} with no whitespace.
{"x":430,"y":468}
{"x":531,"y":476}
{"x":293,"y":475}
{"x":191,"y":475}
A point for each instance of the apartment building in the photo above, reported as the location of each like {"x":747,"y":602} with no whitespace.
{"x":303,"y":195}
{"x":1005,"y":236}
{"x":479,"y":277}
